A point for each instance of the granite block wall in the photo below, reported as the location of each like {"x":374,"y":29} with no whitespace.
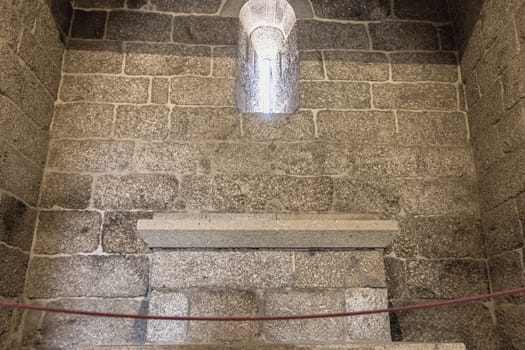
{"x":144,"y":121}
{"x":493,"y":70}
{"x":30,"y":72}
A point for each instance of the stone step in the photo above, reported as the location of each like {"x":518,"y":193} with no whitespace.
{"x":285,"y":231}
{"x":348,"y":346}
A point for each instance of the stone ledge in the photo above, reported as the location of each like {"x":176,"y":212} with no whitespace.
{"x":285,"y":231}
{"x":349,"y":346}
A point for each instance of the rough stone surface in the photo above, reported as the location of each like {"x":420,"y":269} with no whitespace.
{"x":69,"y":191}
{"x":187,"y":6}
{"x":205,"y":30}
{"x":436,"y":10}
{"x":138,"y":26}
{"x":171,"y":157}
{"x":224,"y":61}
{"x":357,"y":10}
{"x":101,"y":276}
{"x":79,"y":120}
{"x":311,"y":65}
{"x":67,"y":232}
{"x":91,"y":156}
{"x":502,"y":229}
{"x":88,"y":24}
{"x":339,"y":270}
{"x":357,"y":66}
{"x":167,"y":59}
{"x":83,"y":56}
{"x":298,"y":126}
{"x":104,"y":89}
{"x":393,"y":36}
{"x":295,"y":302}
{"x":186,"y":269}
{"x":424,"y":96}
{"x":424,"y":67}
{"x":71,"y":332}
{"x":373,"y":327}
{"x":199,"y":91}
{"x":17,"y":222}
{"x":312,"y":35}
{"x":432,"y":128}
{"x":142,"y":122}
{"x":337,"y":95}
{"x":205,"y":123}
{"x":464,"y":277}
{"x":222,"y":303}
{"x":13,"y":268}
{"x":510,"y":318}
{"x":160,"y":90}
{"x":167,"y":304}
{"x":138,"y":191}
{"x":506,"y":272}
{"x":119,"y":232}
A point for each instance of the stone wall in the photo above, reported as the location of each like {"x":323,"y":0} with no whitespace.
{"x":493,"y":68}
{"x":145,"y":121}
{"x":30,"y":65}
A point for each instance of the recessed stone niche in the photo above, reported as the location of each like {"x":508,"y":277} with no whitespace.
{"x":268,"y":58}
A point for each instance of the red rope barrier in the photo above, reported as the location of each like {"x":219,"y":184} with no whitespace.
{"x":14,"y":305}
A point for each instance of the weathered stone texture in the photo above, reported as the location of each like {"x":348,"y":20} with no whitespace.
{"x":104,"y":89}
{"x":432,"y":128}
{"x":205,"y":30}
{"x":135,"y":191}
{"x":87,"y":276}
{"x":224,"y":61}
{"x":202,"y":91}
{"x":393,"y":36}
{"x":314,"y":35}
{"x":17,"y":222}
{"x":423,"y":96}
{"x":119,"y":232}
{"x":185,"y":269}
{"x":511,"y":129}
{"x":506,"y":272}
{"x":167,"y":304}
{"x":169,"y":157}
{"x":222,"y":303}
{"x":138,"y":26}
{"x":83,"y":56}
{"x":373,"y":327}
{"x":294,"y":303}
{"x":339,"y":270}
{"x":187,"y":6}
{"x":67,"y":232}
{"x":436,"y":10}
{"x":60,"y":331}
{"x":358,"y":66}
{"x":88,"y":24}
{"x":160,"y":90}
{"x":502,"y":228}
{"x":13,"y":267}
{"x":205,"y":124}
{"x":356,"y":10}
{"x":79,"y":120}
{"x":298,"y":126}
{"x":167,"y":59}
{"x":510,"y":318}
{"x":339,"y":95}
{"x":91,"y":156}
{"x":142,"y":122}
{"x":424,"y":67}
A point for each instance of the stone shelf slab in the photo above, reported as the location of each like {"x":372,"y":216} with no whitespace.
{"x":283,"y":231}
{"x":349,"y":346}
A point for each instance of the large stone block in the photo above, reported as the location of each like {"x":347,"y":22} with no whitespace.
{"x":120,"y":235}
{"x":66,"y":191}
{"x":115,"y":89}
{"x":511,"y":129}
{"x":167,"y":304}
{"x":187,"y":6}
{"x":372,"y":327}
{"x":19,"y":175}
{"x":243,"y":158}
{"x":510,"y":318}
{"x":46,"y":32}
{"x":24,"y":89}
{"x":356,"y":66}
{"x":196,"y":192}
{"x":307,"y":159}
{"x":356,"y":126}
{"x":448,"y":161}
{"x":180,"y":158}
{"x":311,"y":65}
{"x":87,"y":276}
{"x":366,"y":197}
{"x":339,"y":269}
{"x":419,"y":66}
{"x":298,"y":126}
{"x":12,"y":24}
{"x":13,"y":268}
{"x":506,"y":272}
{"x":422,"y":96}
{"x":487,"y":149}
{"x":296,"y":303}
{"x":205,"y":30}
{"x":338,"y":95}
{"x":83,"y":56}
{"x":226,"y":269}
{"x":160,"y":91}
{"x":435,"y":10}
{"x":223,"y":303}
{"x":167,"y":59}
{"x":136,"y":191}
{"x":59,"y":331}
{"x":463,"y":277}
{"x":142,"y":122}
{"x":90,"y":155}
{"x":199,"y":91}
{"x":440,"y":238}
{"x":371,"y":161}
{"x":17,"y":222}
{"x":88,"y":24}
{"x":82,"y":120}
{"x":312,"y":35}
{"x":502,"y":228}
{"x":451,"y":324}
{"x":271,"y":193}
{"x":437,"y":128}
{"x":394,"y":36}
{"x":362,"y":10}
{"x":67,"y":232}
{"x":205,"y":123}
{"x":224,"y":61}
{"x":21,"y":132}
{"x":138,"y":26}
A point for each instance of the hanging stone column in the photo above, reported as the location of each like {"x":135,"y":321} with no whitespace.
{"x":268,"y":58}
